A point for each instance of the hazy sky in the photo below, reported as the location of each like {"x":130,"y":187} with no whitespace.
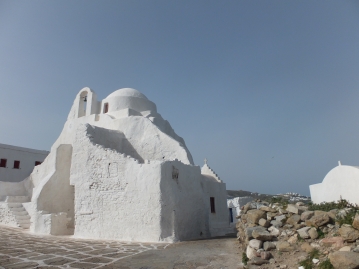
{"x":268,"y":91}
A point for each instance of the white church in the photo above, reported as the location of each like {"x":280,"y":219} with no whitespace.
{"x":118,"y":171}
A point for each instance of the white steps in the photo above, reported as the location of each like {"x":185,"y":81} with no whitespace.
{"x":19,"y":212}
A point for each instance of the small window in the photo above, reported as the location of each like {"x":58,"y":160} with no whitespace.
{"x":16,"y":164}
{"x":37,"y":163}
{"x":105,"y":108}
{"x":213,"y":208}
{"x":3,"y":162}
{"x":231,"y":215}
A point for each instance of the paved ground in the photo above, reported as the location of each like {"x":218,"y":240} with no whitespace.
{"x":22,"y":250}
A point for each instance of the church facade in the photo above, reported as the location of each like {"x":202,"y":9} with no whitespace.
{"x":119,"y":171}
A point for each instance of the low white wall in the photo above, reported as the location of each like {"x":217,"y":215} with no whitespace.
{"x":12,"y":189}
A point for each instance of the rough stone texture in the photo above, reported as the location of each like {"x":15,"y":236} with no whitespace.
{"x":281,"y":218}
{"x":254,"y":215}
{"x":269,"y":245}
{"x":306,"y":247}
{"x":262,"y":235}
{"x":303,"y":232}
{"x":284,"y":246}
{"x":306,"y":215}
{"x":336,"y":242}
{"x":256,"y":244}
{"x":273,"y":230}
{"x":276,"y":223}
{"x":264,"y":223}
{"x":346,"y":248}
{"x":313,"y":233}
{"x":348,"y":233}
{"x":267,"y":209}
{"x":344,"y":260}
{"x":294,"y":219}
{"x":251,"y":252}
{"x":294,"y":209}
{"x":293,"y":239}
{"x":258,"y":261}
{"x":318,"y":220}
{"x":249,"y":231}
{"x":265,"y":255}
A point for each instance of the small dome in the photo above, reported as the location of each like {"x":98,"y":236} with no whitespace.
{"x":128,"y":92}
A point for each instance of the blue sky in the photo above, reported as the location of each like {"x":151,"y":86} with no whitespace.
{"x":267,"y":91}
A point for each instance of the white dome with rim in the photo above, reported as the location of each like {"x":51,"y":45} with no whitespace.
{"x":127,"y":92}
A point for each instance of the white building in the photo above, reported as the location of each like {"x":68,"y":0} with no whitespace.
{"x":234,"y":206}
{"x":17,"y":163}
{"x":341,"y":182}
{"x":119,"y":171}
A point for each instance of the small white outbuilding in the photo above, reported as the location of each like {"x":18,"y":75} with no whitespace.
{"x":119,"y":171}
{"x":342,"y":182}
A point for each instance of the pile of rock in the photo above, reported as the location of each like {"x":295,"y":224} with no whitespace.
{"x":266,"y":230}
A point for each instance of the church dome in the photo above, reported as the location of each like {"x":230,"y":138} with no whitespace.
{"x":127,"y":98}
{"x":127,"y":92}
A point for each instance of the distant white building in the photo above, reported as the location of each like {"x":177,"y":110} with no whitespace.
{"x":118,"y":171}
{"x":341,"y":182}
{"x":17,"y":163}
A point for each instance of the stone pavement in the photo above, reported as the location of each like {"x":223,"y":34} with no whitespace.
{"x":19,"y":249}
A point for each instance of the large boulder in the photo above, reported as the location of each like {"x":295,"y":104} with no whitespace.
{"x":348,"y":233}
{"x":294,"y":219}
{"x":306,"y":215}
{"x":255,"y":243}
{"x":251,"y":252}
{"x":295,"y":209}
{"x":318,"y":220}
{"x":344,"y":260}
{"x":303,"y":232}
{"x":254,"y":215}
{"x":262,"y":235}
{"x":249,"y":231}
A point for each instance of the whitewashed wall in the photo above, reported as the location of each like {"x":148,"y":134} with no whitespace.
{"x":27,"y":158}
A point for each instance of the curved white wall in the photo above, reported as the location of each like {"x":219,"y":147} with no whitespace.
{"x":341,"y":182}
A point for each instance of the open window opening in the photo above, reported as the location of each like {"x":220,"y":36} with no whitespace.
{"x":16,"y":164}
{"x":105,"y":108}
{"x":3,"y":162}
{"x":213,"y":208}
{"x":82,"y":104}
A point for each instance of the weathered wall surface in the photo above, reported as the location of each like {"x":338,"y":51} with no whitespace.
{"x":184,"y":214}
{"x":116,"y":196}
{"x":341,"y":182}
